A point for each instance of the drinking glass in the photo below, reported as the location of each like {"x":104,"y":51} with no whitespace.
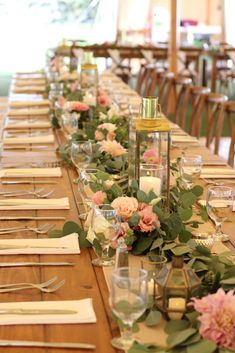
{"x":86,"y":177}
{"x":81,"y":153}
{"x":105,"y":228}
{"x":190,"y":169}
{"x":128,"y":301}
{"x":219,"y":205}
{"x":69,"y":122}
{"x":153,"y":264}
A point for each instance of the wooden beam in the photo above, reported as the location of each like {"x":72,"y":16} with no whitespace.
{"x":174,"y":37}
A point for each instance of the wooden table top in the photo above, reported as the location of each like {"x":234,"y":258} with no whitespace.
{"x":82,"y":280}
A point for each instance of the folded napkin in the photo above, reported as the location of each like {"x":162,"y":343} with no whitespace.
{"x":84,"y":308}
{"x":29,"y":89}
{"x":30,"y":172}
{"x":183,"y":138}
{"x":223,"y":173}
{"x":30,"y":140}
{"x":65,"y":245}
{"x":218,"y":202}
{"x":31,"y":111}
{"x":35,"y":204}
{"x":29,"y":103}
{"x":22,"y":82}
{"x":28,"y":125}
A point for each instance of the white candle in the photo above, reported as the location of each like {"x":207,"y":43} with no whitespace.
{"x":148,"y":183}
{"x":176,"y":304}
{"x":151,"y":286}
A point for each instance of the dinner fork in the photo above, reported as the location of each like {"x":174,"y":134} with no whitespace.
{"x":39,"y":193}
{"x":43,"y":229}
{"x":43,"y":287}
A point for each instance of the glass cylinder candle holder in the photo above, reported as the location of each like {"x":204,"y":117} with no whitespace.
{"x":150,"y":142}
{"x":153,"y":264}
{"x":88,"y":76}
{"x":151,"y":178}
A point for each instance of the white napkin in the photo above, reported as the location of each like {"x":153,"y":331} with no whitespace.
{"x":28,"y":125}
{"x":29,"y":89}
{"x":21,"y":82}
{"x":65,"y":245}
{"x":186,"y":138}
{"x":31,"y":111}
{"x":30,"y":140}
{"x":35,"y":204}
{"x":84,"y":308}
{"x":30,"y":172}
{"x":223,"y":173}
{"x":221,"y":202}
{"x":25,"y":103}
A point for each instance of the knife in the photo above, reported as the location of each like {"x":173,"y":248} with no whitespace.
{"x":18,"y":343}
{"x":9,"y":246}
{"x":28,"y":182}
{"x":26,"y":218}
{"x":23,"y":264}
{"x":18,"y":311}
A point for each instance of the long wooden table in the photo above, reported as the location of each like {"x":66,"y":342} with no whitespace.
{"x":82,"y":280}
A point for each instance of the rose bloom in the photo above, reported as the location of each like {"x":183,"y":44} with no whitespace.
{"x":107,"y":126}
{"x":148,"y":219}
{"x":114,"y":148}
{"x":79,"y":106}
{"x":99,"y":136}
{"x":217,"y":317}
{"x":111,"y":136}
{"x":150,"y":156}
{"x":104,"y":101}
{"x":99,"y":197}
{"x":123,"y":229}
{"x":125,"y":206}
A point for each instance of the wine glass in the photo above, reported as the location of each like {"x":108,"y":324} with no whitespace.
{"x":128,"y":301}
{"x":219,"y":205}
{"x":81,"y":153}
{"x":86,"y":177}
{"x":69,"y":122}
{"x":105,"y":228}
{"x":190,"y":169}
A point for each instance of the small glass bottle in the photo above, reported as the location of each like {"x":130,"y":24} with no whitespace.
{"x":121,"y":259}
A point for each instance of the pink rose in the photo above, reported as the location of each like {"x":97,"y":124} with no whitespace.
{"x":114,"y":148}
{"x":61,"y":101}
{"x":99,"y":197}
{"x":150,"y":156}
{"x":79,"y":106}
{"x":99,"y":136}
{"x":104,"y":101}
{"x":125,"y":206}
{"x":148,"y":220}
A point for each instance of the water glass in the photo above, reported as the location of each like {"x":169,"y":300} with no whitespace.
{"x":69,"y":122}
{"x":128,"y":301}
{"x":219,"y":205}
{"x":86,"y":177}
{"x":81,"y":153}
{"x":190,"y":169}
{"x":105,"y":228}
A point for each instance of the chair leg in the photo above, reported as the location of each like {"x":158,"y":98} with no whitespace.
{"x":218,"y":129}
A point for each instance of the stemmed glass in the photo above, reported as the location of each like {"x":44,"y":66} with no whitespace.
{"x":128,"y":301}
{"x":105,"y":228}
{"x":190,"y":169}
{"x":86,"y":177}
{"x":219,"y":205}
{"x":69,"y":122}
{"x":81,"y":153}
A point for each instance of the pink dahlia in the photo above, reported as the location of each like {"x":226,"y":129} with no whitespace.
{"x":217,"y":317}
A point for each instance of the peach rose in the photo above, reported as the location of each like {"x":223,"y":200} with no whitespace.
{"x":99,"y":136}
{"x":114,"y":148}
{"x":111,"y":136}
{"x":148,"y":219}
{"x":104,"y":101}
{"x":79,"y":106}
{"x":125,"y":206}
{"x":99,"y":197}
{"x":107,"y":126}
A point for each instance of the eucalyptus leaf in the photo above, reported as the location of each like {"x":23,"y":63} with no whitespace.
{"x":180,"y":250}
{"x":71,"y":227}
{"x":153,"y":318}
{"x":169,"y":246}
{"x":184,"y":236}
{"x":228,"y":281}
{"x":193,"y":339}
{"x":185,"y":213}
{"x":197,"y":190}
{"x":204,"y":346}
{"x":203,"y":250}
{"x":141,"y":245}
{"x":157,"y":243}
{"x":173,"y":326}
{"x":83,"y":242}
{"x":179,"y":337}
{"x":142,"y":197}
{"x":134,"y":220}
{"x":188,"y":199}
{"x":96,"y":245}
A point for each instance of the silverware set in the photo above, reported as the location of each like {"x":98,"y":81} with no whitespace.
{"x":38,"y":193}
{"x":46,"y":287}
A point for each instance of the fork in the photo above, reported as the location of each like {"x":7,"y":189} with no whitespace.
{"x":43,"y":287}
{"x":43,"y":284}
{"x":38,"y":193}
{"x":43,"y":229}
{"x":218,"y":183}
{"x":45,"y":164}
